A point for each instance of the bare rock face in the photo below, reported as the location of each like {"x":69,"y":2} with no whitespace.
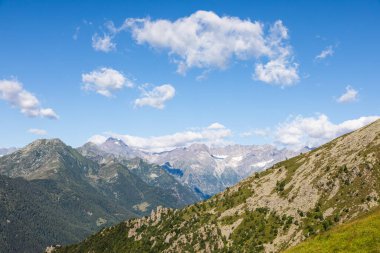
{"x":206,"y":170}
{"x":269,"y":211}
{"x":212,"y":169}
{"x":52,"y":248}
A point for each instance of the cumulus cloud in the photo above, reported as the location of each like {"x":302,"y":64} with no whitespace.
{"x":213,"y":134}
{"x":37,"y":131}
{"x":301,"y":131}
{"x":13,"y":92}
{"x":156,"y":97}
{"x":103,"y":44}
{"x":328,"y":51}
{"x":278,"y":71}
{"x":104,"y":81}
{"x":97,"y":139}
{"x":216,"y":125}
{"x":350,"y":95}
{"x":205,"y":40}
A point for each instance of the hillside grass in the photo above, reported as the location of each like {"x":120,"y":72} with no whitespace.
{"x":360,"y":235}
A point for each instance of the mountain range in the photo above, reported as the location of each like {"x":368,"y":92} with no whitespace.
{"x":50,"y":193}
{"x":206,"y":170}
{"x":6,"y":151}
{"x":66,"y":194}
{"x":271,"y":211}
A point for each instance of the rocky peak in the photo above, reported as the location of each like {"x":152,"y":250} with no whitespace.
{"x":42,"y":159}
{"x":46,"y":142}
{"x":114,"y":141}
{"x":198,"y":147}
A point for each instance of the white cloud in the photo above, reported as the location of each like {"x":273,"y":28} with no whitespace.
{"x":103,"y":44}
{"x":314,"y":131}
{"x":279,"y":71}
{"x":97,"y":139}
{"x":13,"y":92}
{"x":105,"y":80}
{"x":209,"y":135}
{"x":216,"y":125}
{"x":206,"y":40}
{"x":37,"y":131}
{"x":350,"y":95}
{"x":156,"y":97}
{"x":328,"y":51}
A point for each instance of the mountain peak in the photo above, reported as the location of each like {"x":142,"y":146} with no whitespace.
{"x":199,"y":147}
{"x":47,"y":141}
{"x":112,"y":146}
{"x":42,"y":159}
{"x":115,"y":141}
{"x":55,"y":142}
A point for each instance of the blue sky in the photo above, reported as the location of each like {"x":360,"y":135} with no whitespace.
{"x":49,"y":47}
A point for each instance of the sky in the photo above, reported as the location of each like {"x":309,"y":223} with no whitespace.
{"x":164,"y":74}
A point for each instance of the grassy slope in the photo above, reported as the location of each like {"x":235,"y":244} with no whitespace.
{"x":361,"y":235}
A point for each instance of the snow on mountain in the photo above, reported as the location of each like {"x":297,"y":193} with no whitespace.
{"x":212,"y":169}
{"x":205,"y":169}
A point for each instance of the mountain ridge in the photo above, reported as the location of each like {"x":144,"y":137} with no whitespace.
{"x":83,"y":195}
{"x":267,"y":212}
{"x":207,"y":169}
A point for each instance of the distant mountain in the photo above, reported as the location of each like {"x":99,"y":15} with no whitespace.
{"x":56,"y":175}
{"x":212,"y":169}
{"x":83,"y":195}
{"x":115,"y":147}
{"x":269,"y":211}
{"x":157,"y":176}
{"x":6,"y":151}
{"x":154,"y":175}
{"x":206,"y":170}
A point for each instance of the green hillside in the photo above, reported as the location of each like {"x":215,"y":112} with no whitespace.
{"x":51,"y":194}
{"x":361,"y":235}
{"x":30,"y":218}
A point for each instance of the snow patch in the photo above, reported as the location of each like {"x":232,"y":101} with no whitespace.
{"x":235,"y":161}
{"x":219,"y":156}
{"x":261,"y":164}
{"x":219,"y":168}
{"x":153,"y":175}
